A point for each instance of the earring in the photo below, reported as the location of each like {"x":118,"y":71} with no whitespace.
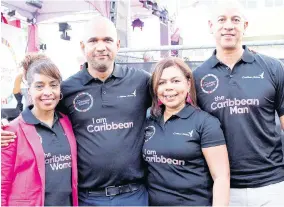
{"x":188,"y":99}
{"x":61,"y":96}
{"x":159,"y":103}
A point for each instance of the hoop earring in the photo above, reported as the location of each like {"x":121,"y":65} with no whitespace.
{"x":61,"y":96}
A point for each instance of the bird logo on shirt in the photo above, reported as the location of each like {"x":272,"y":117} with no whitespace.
{"x":129,"y":95}
{"x":134,"y":93}
{"x":189,"y":134}
{"x":261,"y":76}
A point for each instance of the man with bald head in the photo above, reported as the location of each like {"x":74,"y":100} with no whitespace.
{"x":244,"y":90}
{"x":107,"y":106}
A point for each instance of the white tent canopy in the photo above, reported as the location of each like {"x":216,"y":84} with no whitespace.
{"x":51,"y":8}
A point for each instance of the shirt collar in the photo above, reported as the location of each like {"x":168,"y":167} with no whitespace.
{"x":29,"y":117}
{"x":247,"y":57}
{"x":86,"y":77}
{"x":186,"y":111}
{"x":183,"y":114}
{"x":118,"y":71}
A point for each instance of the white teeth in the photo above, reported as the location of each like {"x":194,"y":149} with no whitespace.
{"x":170,"y":96}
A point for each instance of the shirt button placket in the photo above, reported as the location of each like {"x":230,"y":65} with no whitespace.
{"x":103,"y":95}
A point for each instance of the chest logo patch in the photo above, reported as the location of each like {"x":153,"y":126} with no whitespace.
{"x":83,"y":102}
{"x":209,"y":83}
{"x":188,"y":134}
{"x":149,"y":133}
{"x":261,"y":76}
{"x":133,"y":94}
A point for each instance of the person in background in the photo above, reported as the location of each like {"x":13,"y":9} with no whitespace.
{"x":17,"y":91}
{"x":244,"y":89}
{"x":148,"y":57}
{"x":39,"y":168}
{"x":184,"y":147}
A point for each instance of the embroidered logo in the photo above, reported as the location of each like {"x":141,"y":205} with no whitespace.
{"x":261,"y":76}
{"x":83,"y":102}
{"x":133,"y":94}
{"x":149,"y":133}
{"x":209,"y":83}
{"x":189,"y":134}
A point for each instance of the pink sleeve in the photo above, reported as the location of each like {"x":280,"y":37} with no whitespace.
{"x":8,"y":158}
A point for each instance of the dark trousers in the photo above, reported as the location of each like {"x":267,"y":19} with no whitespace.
{"x":136,"y":198}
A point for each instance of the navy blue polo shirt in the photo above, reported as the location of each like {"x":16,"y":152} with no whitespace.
{"x":245,"y":100}
{"x":177,"y":170}
{"x":58,"y":190}
{"x":108,"y":120}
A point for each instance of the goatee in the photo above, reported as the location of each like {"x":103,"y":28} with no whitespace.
{"x":99,"y":67}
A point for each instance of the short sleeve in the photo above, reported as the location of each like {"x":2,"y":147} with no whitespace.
{"x":279,"y":99}
{"x":211,"y":132}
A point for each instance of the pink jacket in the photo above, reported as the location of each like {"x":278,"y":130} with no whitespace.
{"x":23,"y":165}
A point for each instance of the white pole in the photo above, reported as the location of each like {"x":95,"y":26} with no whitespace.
{"x":194,"y":47}
{"x":128,"y":26}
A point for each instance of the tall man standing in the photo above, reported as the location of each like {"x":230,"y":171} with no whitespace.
{"x":243,"y":90}
{"x":107,"y":106}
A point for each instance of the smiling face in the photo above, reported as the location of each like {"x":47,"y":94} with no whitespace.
{"x":228,"y":26}
{"x":100,"y":44}
{"x":44,"y":92}
{"x":173,"y":88}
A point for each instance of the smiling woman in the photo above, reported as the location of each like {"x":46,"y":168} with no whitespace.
{"x":172,"y":84}
{"x":45,"y":141}
{"x":43,"y":78}
{"x":184,"y":147}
